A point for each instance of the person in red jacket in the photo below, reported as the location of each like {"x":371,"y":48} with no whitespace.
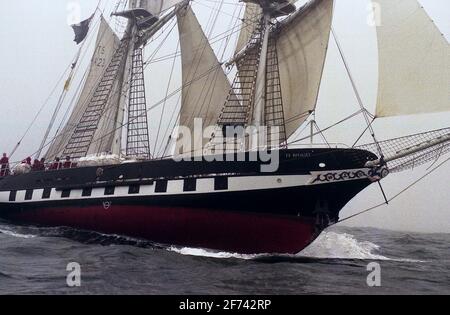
{"x":56,"y":165}
{"x":4,"y":165}
{"x":39,"y":165}
{"x":67,"y":163}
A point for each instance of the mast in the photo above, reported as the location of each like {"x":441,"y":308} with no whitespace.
{"x":96,"y":123}
{"x":256,"y":95}
{"x":117,"y":142}
{"x":260,"y":93}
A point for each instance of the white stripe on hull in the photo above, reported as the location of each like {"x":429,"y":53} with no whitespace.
{"x":204,"y":186}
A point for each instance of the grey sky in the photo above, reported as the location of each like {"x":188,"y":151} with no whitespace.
{"x":37,"y":46}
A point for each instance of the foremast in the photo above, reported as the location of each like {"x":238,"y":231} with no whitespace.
{"x":121,"y":87}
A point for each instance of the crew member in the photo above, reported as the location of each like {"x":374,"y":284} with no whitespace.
{"x":27,"y":161}
{"x":56,"y":164}
{"x":67,"y":163}
{"x":39,"y":165}
{"x":4,"y":165}
{"x":42,"y":165}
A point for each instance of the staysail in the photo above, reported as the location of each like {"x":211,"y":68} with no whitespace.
{"x":302,"y":47}
{"x":414,"y":61}
{"x":205,"y":85}
{"x":106,"y":44}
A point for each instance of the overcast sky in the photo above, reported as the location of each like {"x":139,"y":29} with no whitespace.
{"x":37,"y":46}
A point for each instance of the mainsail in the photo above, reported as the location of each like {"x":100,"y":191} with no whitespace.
{"x":302,"y":48}
{"x":205,"y":85}
{"x":106,"y":44}
{"x":414,"y":61}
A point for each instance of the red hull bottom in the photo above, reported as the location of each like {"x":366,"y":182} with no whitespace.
{"x":238,"y":232}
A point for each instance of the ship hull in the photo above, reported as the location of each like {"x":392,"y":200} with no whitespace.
{"x":235,"y":232}
{"x":252,"y":213}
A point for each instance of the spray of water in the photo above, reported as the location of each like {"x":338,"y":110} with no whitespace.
{"x":330,"y":245}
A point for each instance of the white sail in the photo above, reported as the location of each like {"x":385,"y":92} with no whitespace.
{"x":205,"y":85}
{"x":414,"y":61}
{"x":302,"y":47}
{"x":251,"y":20}
{"x":155,"y":7}
{"x":106,"y":44}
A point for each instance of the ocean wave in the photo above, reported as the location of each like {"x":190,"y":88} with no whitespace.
{"x":329,"y":245}
{"x":199,"y":252}
{"x":15,"y":234}
{"x":333,"y":245}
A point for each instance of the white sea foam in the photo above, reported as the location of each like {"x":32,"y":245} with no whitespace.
{"x":209,"y":253}
{"x":329,"y":245}
{"x":332,"y":245}
{"x":14,"y":234}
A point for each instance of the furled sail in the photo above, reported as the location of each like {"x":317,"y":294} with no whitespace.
{"x":106,"y":44}
{"x":302,"y":46}
{"x":252,"y":17}
{"x":205,"y":85}
{"x":414,"y":61}
{"x":155,"y":7}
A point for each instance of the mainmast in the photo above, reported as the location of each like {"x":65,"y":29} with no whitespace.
{"x":255,"y":98}
{"x":260,"y":93}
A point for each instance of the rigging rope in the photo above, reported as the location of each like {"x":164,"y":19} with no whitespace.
{"x":355,"y":89}
{"x":156,"y":105}
{"x":396,"y":196}
{"x":211,"y":26}
{"x":39,"y":112}
{"x":326,"y":129}
{"x":44,"y":105}
{"x":165,"y":101}
{"x":227,"y":34}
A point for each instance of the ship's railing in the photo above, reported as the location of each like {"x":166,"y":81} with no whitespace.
{"x":318,"y":146}
{"x":10,"y":169}
{"x":4,"y":170}
{"x":17,"y":168}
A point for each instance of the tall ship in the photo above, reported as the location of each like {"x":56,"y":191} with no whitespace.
{"x":231,"y":177}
